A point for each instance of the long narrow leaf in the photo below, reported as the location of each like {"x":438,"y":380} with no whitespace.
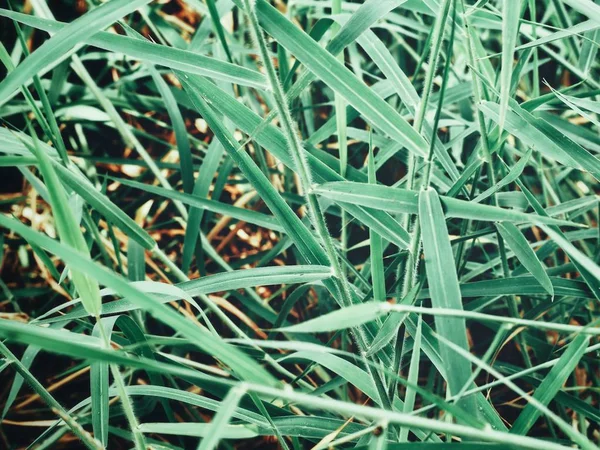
{"x":445,"y":291}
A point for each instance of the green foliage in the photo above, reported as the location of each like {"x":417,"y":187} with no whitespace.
{"x":325,"y":224}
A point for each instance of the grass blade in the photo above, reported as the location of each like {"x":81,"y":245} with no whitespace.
{"x":58,"y":47}
{"x":161,"y":55}
{"x":240,"y":362}
{"x":377,"y":270}
{"x":99,"y":393}
{"x":587,"y":263}
{"x":405,"y":201}
{"x":539,"y":135}
{"x":445,"y":292}
{"x":218,"y":425}
{"x":552,"y":383}
{"x":338,"y":320}
{"x":511,"y":12}
{"x":518,"y":244}
{"x":340,"y":79}
{"x":70,"y":233}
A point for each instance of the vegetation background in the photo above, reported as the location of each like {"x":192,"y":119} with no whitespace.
{"x":304,"y":225}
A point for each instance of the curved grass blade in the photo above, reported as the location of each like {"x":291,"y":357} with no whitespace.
{"x":80,"y":346}
{"x":514,"y":173}
{"x":390,"y":327}
{"x":525,"y":285}
{"x":191,"y":398}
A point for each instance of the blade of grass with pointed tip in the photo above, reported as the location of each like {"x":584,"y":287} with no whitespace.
{"x":577,"y":105}
{"x":339,"y":320}
{"x":161,"y":55}
{"x":209,"y":166}
{"x":85,"y":347}
{"x":445,"y":292}
{"x":181,"y":137}
{"x":390,"y":327}
{"x":53,"y":51}
{"x":381,"y":222}
{"x":191,"y":398}
{"x":514,"y":173}
{"x":590,"y":279}
{"x":519,"y":245}
{"x":526,"y":285}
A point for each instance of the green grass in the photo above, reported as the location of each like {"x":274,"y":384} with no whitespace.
{"x":304,"y":225}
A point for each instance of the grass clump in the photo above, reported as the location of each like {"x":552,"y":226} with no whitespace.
{"x":313,"y":224}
